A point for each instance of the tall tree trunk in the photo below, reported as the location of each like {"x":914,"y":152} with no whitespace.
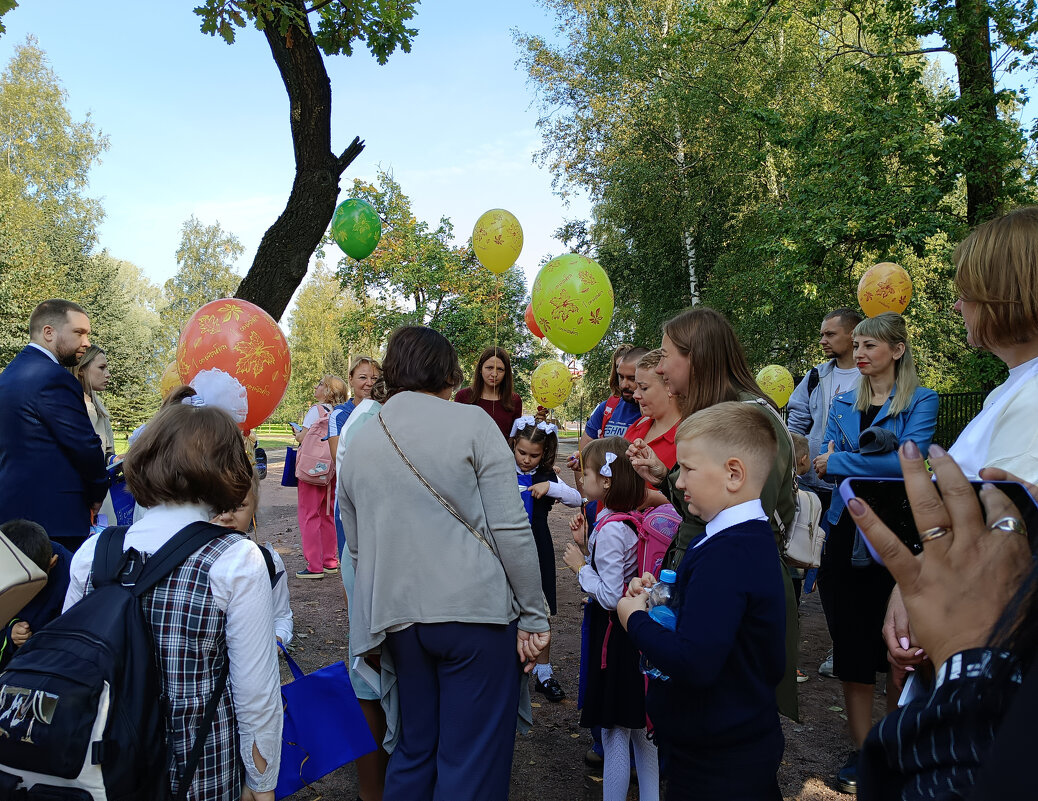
{"x":978,"y":110}
{"x":285,"y":250}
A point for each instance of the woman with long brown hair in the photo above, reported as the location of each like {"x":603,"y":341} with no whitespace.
{"x":703,"y":364}
{"x":492,"y":388}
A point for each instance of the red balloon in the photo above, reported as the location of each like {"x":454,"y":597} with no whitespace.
{"x":241,"y":339}
{"x":532,"y":323}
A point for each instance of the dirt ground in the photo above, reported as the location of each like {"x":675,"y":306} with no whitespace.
{"x":549,"y":761}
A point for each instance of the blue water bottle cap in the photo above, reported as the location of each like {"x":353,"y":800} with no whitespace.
{"x":668,"y":576}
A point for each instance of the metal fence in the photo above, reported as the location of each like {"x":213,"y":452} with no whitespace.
{"x":956,"y":409}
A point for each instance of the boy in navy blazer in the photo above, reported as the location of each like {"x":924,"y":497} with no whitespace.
{"x":52,"y":466}
{"x":716,"y":716}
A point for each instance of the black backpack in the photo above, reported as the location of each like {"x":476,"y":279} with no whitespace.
{"x":82,"y":715}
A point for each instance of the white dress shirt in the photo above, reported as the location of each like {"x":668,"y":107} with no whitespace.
{"x":559,"y":490}
{"x":46,"y":352}
{"x":615,"y":546}
{"x":240,"y":585}
{"x":733,"y":516}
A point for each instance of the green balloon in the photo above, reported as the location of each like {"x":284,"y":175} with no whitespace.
{"x":356,"y":228}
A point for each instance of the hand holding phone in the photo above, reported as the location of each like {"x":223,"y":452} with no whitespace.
{"x":296,"y":427}
{"x":958,"y":589}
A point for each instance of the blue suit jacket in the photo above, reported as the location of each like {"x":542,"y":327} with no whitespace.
{"x":52,"y":467}
{"x":917,"y":422}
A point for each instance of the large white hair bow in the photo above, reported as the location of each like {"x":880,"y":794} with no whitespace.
{"x":222,"y":390}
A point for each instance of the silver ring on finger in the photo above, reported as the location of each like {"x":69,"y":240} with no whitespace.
{"x":934,"y":533}
{"x":1010,"y":525}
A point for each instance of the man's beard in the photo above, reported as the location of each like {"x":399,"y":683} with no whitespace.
{"x":67,"y":358}
{"x":627,"y":396}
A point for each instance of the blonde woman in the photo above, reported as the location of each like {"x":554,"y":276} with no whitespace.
{"x":854,"y":591}
{"x":315,"y":504}
{"x":94,"y":375}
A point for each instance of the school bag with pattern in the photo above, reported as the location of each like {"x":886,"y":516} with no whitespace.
{"x":314,"y":463}
{"x":656,"y":528}
{"x":81,"y":712}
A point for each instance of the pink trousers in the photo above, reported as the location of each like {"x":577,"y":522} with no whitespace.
{"x":316,"y":527}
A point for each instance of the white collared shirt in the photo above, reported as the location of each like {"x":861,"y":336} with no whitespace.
{"x":43,"y":350}
{"x":240,"y":585}
{"x":733,"y":516}
{"x":559,"y":489}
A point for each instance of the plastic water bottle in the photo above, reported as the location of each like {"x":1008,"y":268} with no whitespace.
{"x":660,"y":597}
{"x":663,"y":590}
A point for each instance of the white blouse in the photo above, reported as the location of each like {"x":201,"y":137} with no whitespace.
{"x":615,"y":546}
{"x":240,"y":586}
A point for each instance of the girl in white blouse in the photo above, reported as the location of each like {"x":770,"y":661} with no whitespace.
{"x":243,"y":519}
{"x":188,"y":465}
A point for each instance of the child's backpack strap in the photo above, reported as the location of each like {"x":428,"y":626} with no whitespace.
{"x":171,"y":555}
{"x":607,"y":413}
{"x":109,"y":558}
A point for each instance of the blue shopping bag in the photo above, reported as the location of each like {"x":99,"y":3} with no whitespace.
{"x":122,"y":500}
{"x":324,"y":727}
{"x":288,"y":478}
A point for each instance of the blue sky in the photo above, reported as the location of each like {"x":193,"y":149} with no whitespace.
{"x":200,"y":127}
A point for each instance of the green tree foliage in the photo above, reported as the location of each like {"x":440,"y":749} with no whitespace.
{"x":417,"y":277}
{"x":737,"y":156}
{"x":313,"y":338}
{"x":205,"y":260}
{"x":47,"y":224}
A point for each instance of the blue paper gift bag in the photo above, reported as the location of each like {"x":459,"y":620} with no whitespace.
{"x":122,"y":500}
{"x":324,"y":727}
{"x":288,"y":478}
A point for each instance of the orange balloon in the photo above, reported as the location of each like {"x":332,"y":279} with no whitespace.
{"x":884,"y":287}
{"x":531,"y":323}
{"x":241,"y":339}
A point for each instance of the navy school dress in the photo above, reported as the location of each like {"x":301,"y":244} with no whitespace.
{"x":537,"y":510}
{"x":614,"y":694}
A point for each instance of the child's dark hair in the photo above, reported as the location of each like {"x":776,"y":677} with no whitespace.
{"x":626,"y":488}
{"x":189,"y":454}
{"x":31,"y":539}
{"x":538,"y":436}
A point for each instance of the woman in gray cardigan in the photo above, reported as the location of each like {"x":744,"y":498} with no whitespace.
{"x":453,"y":595}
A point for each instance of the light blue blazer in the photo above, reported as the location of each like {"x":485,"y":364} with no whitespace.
{"x":917,"y":422}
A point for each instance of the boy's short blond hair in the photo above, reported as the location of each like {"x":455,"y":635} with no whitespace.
{"x":800,"y":446}
{"x":735,"y":429}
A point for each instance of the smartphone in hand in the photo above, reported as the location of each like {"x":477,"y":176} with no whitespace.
{"x":296,"y":427}
{"x":888,"y":499}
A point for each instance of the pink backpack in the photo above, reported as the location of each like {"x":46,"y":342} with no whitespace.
{"x":656,"y":528}
{"x":314,"y":464}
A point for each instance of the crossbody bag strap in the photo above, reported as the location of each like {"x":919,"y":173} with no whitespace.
{"x":443,"y":501}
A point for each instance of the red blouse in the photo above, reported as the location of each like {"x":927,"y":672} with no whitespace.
{"x":664,"y":445}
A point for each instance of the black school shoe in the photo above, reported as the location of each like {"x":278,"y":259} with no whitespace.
{"x":550,"y":689}
{"x":847,"y":778}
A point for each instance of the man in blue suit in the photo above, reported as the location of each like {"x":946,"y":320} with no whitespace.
{"x":52,"y":466}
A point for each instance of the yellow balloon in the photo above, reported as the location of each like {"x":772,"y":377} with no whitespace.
{"x":551,"y":383}
{"x":884,"y":287}
{"x":572,"y":302}
{"x":497,"y":239}
{"x":776,"y":382}
{"x":170,"y":378}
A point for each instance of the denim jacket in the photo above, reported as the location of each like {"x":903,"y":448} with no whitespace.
{"x":916,"y":422}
